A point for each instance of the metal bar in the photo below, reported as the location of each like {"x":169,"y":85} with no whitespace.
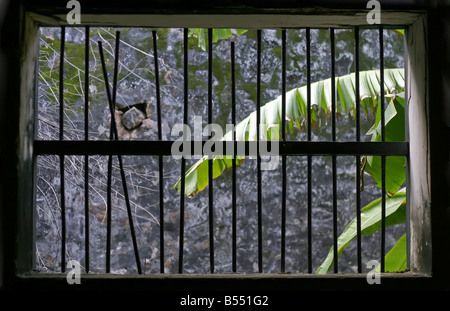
{"x":308,"y":94}
{"x":357,"y":86}
{"x":63,"y":215}
{"x":112,"y":104}
{"x":183,"y":161}
{"x":61,"y":157}
{"x":383,"y":158}
{"x":382,"y":116}
{"x":258,"y":163}
{"x":86,"y":83}
{"x":122,"y":171}
{"x":86,"y":157}
{"x":308,"y":80}
{"x":358,"y":157}
{"x":112,"y":130}
{"x":335,"y":228}
{"x":108,"y":213}
{"x":210,"y":160}
{"x":155,"y":148}
{"x":161,"y":162}
{"x":181,"y":241}
{"x":233,"y":121}
{"x":333,"y":157}
{"x":283,"y":158}
{"x":333,"y":85}
{"x":61,"y":83}
{"x":130,"y":215}
{"x":111,"y":100}
{"x":109,"y":168}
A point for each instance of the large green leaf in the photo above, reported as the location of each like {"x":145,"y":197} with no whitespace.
{"x":394,"y":131}
{"x":370,"y":223}
{"x":197,"y":178}
{"x":396,"y":259}
{"x":395,"y":172}
{"x":296,"y":114}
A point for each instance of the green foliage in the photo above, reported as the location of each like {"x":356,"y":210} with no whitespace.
{"x":396,"y":258}
{"x":201,"y":34}
{"x":370,"y":223}
{"x":196,"y":177}
{"x":296,"y":115}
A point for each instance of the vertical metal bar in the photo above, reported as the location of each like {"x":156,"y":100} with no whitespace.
{"x":86,"y":158}
{"x":61,"y":157}
{"x":258,"y":163}
{"x":333,"y":85}
{"x":63,"y":215}
{"x":333,"y":130}
{"x":181,"y":242}
{"x":122,"y":172}
{"x":109,"y":208}
{"x":109,"y":168}
{"x":183,"y":160}
{"x":358,"y":157}
{"x":130,"y":216}
{"x":115,"y":74}
{"x":161,"y":167}
{"x":383,"y":158}
{"x":283,"y":158}
{"x":61,"y":83}
{"x":357,"y":86}
{"x":111,"y":100}
{"x":308,"y":94}
{"x":233,"y":120}
{"x":210,"y":159}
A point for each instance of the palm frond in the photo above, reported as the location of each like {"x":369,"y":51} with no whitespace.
{"x":296,"y":113}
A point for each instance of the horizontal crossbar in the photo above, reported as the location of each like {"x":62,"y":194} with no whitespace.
{"x":164,"y":148}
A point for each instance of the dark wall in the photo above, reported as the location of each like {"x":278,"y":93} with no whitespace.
{"x":3,"y":8}
{"x":9,"y":120}
{"x":439,"y":71}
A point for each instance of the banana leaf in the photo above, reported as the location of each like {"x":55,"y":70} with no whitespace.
{"x":394,"y":131}
{"x":370,"y":223}
{"x":396,"y":259}
{"x":296,"y":113}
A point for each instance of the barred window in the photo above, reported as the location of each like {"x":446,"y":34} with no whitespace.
{"x":337,"y":154}
{"x":221,"y":149}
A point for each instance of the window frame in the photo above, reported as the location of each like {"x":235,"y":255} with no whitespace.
{"x":419,"y":196}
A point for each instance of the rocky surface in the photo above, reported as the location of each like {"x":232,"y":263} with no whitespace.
{"x":142,"y":172}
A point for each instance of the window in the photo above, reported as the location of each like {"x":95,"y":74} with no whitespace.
{"x":242,"y":207}
{"x":65,"y":149}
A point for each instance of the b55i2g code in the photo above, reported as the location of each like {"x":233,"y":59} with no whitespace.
{"x":246,"y":300}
